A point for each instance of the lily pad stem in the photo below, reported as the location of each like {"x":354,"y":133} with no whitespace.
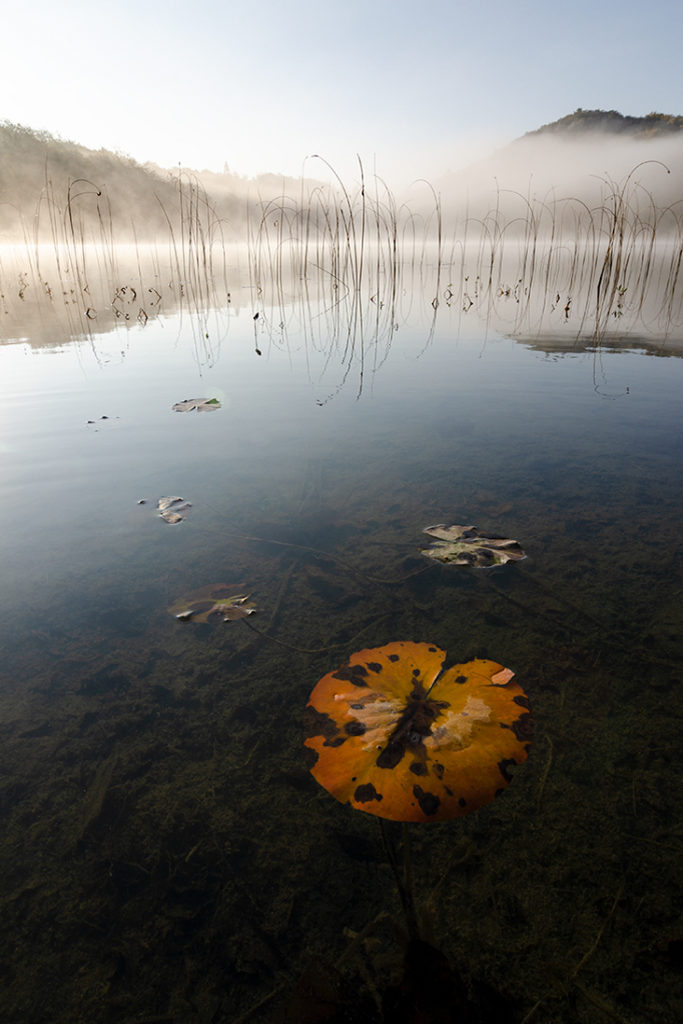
{"x":309,"y":650}
{"x":403,"y":879}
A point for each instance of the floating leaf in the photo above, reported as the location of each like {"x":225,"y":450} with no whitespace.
{"x":217,"y":600}
{"x":465,"y":545}
{"x":164,"y":503}
{"x":393,"y":734}
{"x":171,"y":508}
{"x":200,"y":404}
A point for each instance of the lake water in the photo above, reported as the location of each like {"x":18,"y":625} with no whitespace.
{"x":165,"y":854}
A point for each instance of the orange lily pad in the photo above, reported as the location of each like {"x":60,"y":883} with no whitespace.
{"x":217,"y":601}
{"x":392,"y":733}
{"x":465,"y":545}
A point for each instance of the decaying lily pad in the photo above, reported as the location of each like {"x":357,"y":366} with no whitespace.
{"x":394,"y":733}
{"x":217,"y":601}
{"x":172,"y":509}
{"x":465,"y":545}
{"x":200,"y":404}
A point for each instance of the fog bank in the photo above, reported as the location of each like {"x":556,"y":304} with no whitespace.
{"x":549,"y":168}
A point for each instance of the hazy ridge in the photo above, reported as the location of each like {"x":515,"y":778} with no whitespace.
{"x":611,"y":122}
{"x":41,"y":175}
{"x":44,"y":179}
{"x":589,"y":156}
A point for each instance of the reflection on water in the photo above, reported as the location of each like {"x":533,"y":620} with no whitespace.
{"x":165,"y":854}
{"x":349,"y":264}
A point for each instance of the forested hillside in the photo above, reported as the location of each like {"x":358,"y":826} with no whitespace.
{"x":612,"y":122}
{"x":46,"y":180}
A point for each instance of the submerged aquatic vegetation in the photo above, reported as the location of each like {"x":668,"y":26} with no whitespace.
{"x":392,"y":733}
{"x":465,"y":545}
{"x":213,"y":602}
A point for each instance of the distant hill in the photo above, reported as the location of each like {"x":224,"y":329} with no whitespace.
{"x":36,"y":170}
{"x":41,"y":176}
{"x":583,"y":122}
{"x":50,"y":185}
{"x":584,"y":155}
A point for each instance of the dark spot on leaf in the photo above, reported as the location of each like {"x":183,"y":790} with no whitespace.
{"x":461,"y":679}
{"x":391,"y":755}
{"x":357,"y":707}
{"x":310,"y":757}
{"x":504,"y":767}
{"x":523,"y":727}
{"x":365,"y":793}
{"x":429,"y":802}
{"x":418,"y":768}
{"x":336,"y":742}
{"x":393,"y":657}
{"x":438,"y":769}
{"x":355,"y":728}
{"x":462,"y":802}
{"x":374,"y":666}
{"x":522,"y":700}
{"x":317,"y":723}
{"x":352,"y":674}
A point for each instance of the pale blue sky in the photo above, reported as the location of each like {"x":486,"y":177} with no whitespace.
{"x":416,"y":88}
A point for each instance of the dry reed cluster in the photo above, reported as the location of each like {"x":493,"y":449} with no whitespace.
{"x":352,"y":265}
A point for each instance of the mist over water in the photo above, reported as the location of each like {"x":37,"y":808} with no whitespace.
{"x":576,"y":239}
{"x":555,"y":167}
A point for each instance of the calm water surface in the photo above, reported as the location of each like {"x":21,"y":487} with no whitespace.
{"x":165,"y":854}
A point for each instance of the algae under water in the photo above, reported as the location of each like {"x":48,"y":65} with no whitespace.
{"x":165,"y":855}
